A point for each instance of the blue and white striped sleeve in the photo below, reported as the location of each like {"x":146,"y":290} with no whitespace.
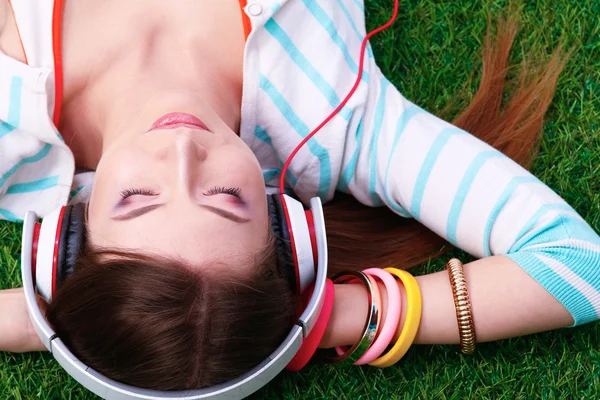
{"x":472,"y":195}
{"x":36,"y":167}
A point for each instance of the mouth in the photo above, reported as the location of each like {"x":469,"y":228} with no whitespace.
{"x":178,"y":120}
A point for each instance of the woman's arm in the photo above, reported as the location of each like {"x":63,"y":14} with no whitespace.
{"x":16,"y":331}
{"x":479,"y":200}
{"x":506,"y":302}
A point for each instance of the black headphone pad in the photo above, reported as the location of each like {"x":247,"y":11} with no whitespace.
{"x":72,"y":241}
{"x":283,"y":242}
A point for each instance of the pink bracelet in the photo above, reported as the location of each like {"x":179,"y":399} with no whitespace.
{"x":392,"y":317}
{"x":311,"y":342}
{"x":377,"y":301}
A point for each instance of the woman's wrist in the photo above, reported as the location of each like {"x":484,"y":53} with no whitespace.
{"x":349,"y":314}
{"x":17,"y":332}
{"x":347,"y":317}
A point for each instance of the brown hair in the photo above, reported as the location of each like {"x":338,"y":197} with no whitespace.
{"x":154,"y":323}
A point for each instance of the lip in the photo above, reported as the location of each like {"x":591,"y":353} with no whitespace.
{"x":178,"y":120}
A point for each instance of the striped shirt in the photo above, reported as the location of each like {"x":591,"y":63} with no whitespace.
{"x":300,"y":60}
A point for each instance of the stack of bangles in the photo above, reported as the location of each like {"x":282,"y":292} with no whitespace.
{"x":375,"y":346}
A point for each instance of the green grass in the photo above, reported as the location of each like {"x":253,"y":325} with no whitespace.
{"x":432,"y":55}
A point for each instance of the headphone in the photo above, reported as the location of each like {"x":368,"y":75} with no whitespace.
{"x":50,"y":250}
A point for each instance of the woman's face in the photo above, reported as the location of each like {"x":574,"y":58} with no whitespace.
{"x":184,"y":186}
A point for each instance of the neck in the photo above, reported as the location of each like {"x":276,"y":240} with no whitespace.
{"x":145,"y":99}
{"x":132,"y":88}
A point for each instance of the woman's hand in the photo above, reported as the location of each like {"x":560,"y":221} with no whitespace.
{"x":16,"y":330}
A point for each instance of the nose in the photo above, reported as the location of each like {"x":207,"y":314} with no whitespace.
{"x":190,"y":156}
{"x":188,"y":148}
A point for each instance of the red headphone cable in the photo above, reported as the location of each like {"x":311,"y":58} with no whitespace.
{"x":343,"y":103}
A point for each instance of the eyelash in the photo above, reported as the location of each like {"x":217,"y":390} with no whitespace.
{"x":134,"y":192}
{"x":237,"y":192}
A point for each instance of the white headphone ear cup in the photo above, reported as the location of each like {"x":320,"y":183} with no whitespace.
{"x":301,"y":241}
{"x":45,"y":274}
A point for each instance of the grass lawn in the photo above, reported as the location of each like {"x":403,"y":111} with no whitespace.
{"x":433,"y":55}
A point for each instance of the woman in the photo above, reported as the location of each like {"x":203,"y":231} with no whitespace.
{"x":178,"y":241}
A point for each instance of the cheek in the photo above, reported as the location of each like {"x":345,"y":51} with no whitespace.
{"x":123,"y":165}
{"x":252,"y":173}
{"x":240,"y":162}
{"x":111,"y":161}
{"x":105,"y":176}
{"x":99,"y":200}
{"x":112,"y":168}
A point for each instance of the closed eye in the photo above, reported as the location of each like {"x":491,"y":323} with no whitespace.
{"x":125,"y":193}
{"x":236,"y":191}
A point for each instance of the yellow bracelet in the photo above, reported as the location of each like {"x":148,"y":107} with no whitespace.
{"x":411,"y":324}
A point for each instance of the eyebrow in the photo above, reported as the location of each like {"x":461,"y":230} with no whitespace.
{"x":225,"y":214}
{"x":138,"y":212}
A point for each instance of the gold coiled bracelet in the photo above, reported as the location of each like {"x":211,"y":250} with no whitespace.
{"x":462,"y":303}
